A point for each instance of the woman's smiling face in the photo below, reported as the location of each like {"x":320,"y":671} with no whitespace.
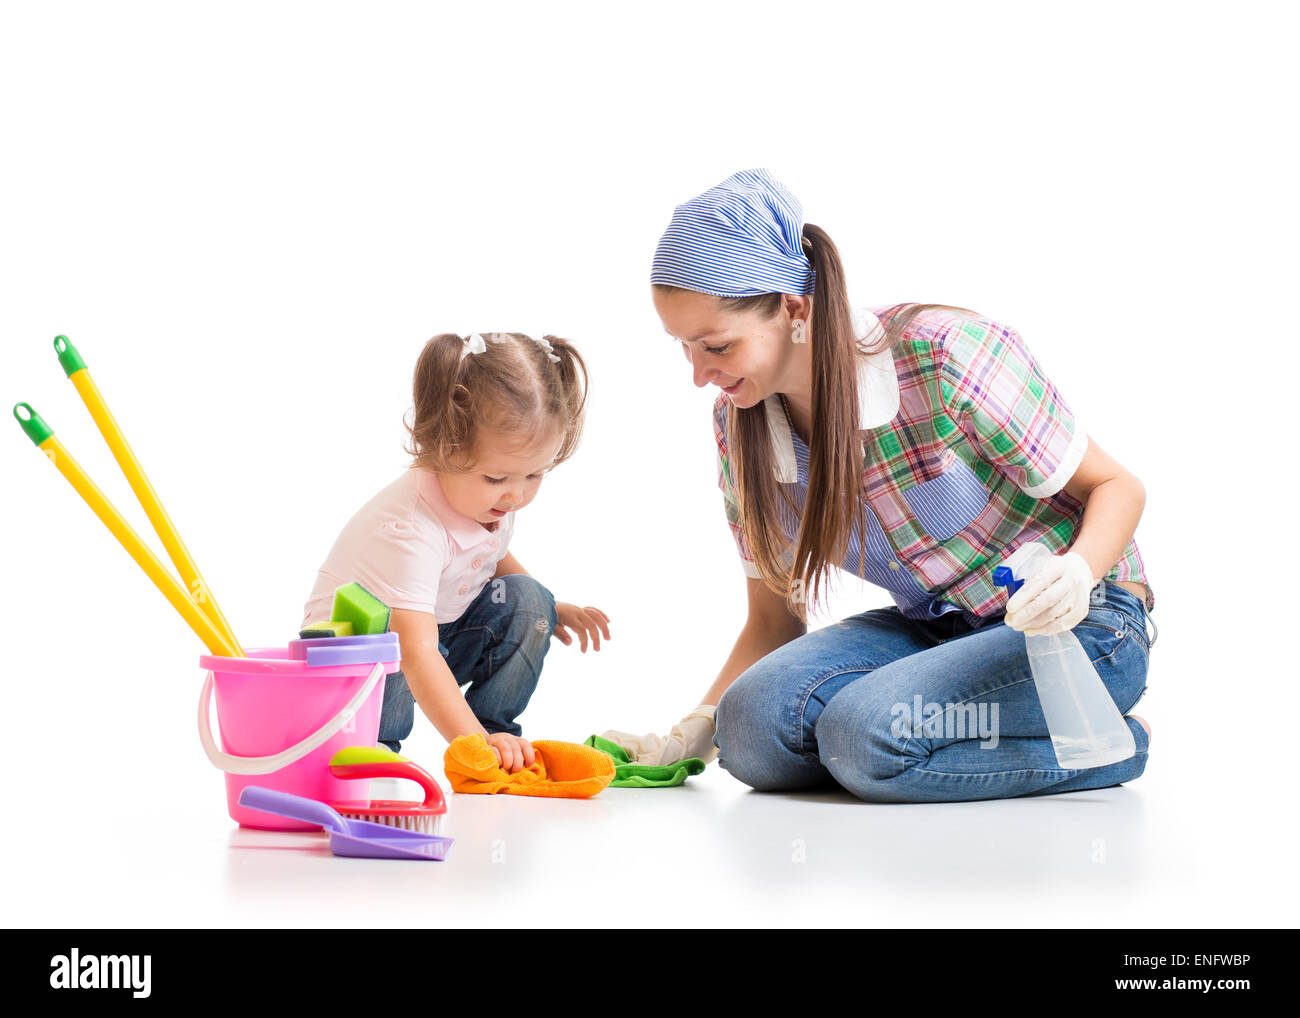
{"x":745,"y":355}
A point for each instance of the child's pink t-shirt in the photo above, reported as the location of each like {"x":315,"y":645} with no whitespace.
{"x":412,"y":550}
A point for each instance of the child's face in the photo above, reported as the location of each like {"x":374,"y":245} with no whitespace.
{"x":744,"y":355}
{"x":502,"y":475}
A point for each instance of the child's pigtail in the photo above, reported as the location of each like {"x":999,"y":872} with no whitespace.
{"x":571,"y":370}
{"x":443,"y":418}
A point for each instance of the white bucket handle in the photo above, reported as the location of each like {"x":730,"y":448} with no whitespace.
{"x":267,"y":764}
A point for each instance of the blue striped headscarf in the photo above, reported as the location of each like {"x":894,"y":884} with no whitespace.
{"x":738,"y":239}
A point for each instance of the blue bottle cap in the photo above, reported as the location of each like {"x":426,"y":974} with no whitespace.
{"x":1003,"y":577}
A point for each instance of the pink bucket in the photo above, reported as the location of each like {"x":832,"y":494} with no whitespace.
{"x":281,"y":721}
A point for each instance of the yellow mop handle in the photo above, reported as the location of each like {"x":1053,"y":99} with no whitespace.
{"x":189,"y":572}
{"x":40,"y":433}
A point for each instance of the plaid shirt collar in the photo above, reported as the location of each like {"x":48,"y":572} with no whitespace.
{"x":877,"y":397}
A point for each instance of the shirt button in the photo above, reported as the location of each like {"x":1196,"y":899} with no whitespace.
{"x":478,"y":562}
{"x":894,"y":565}
{"x":464,"y":590}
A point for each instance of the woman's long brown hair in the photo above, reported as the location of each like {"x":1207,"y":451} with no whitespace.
{"x":797,"y":566}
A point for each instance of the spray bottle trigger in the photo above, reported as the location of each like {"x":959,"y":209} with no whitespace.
{"x":1004,"y":577}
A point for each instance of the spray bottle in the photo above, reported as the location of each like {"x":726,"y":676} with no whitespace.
{"x":1086,"y":727}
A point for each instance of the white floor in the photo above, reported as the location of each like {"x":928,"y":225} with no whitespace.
{"x":710,"y":853}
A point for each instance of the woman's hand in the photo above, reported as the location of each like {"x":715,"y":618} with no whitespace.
{"x":513,"y":753}
{"x":692,"y":736}
{"x":1053,"y":599}
{"x":585,"y":622}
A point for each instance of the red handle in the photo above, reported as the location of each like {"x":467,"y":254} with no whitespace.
{"x":393,"y":769}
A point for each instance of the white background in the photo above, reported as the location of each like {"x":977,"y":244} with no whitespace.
{"x":250,"y":216}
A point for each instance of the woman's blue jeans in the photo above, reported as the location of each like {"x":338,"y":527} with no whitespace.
{"x":900,"y":710}
{"x":497,"y":646}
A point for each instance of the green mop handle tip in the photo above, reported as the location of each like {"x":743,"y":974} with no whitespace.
{"x":68,"y":355}
{"x":32,"y":423}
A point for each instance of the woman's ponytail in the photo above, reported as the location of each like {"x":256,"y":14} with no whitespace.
{"x":835,"y":445}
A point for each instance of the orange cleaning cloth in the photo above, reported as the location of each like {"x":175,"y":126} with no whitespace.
{"x":560,"y":770}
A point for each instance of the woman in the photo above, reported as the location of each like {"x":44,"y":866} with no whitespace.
{"x":918,"y":446}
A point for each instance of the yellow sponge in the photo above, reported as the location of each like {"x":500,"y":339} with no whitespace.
{"x":316,"y":630}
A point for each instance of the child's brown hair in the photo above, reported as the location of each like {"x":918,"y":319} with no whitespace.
{"x":512,"y":385}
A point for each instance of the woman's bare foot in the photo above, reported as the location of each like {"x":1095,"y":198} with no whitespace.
{"x":1145,"y":727}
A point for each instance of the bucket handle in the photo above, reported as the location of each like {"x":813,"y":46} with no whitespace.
{"x":267,"y":764}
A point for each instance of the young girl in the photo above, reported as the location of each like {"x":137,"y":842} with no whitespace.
{"x":917,"y":446}
{"x":492,"y":415}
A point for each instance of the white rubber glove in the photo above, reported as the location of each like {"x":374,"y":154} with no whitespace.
{"x":1054,"y":598}
{"x":692,"y":736}
{"x":636,"y":746}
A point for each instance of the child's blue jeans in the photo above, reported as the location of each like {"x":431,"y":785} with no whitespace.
{"x":851,"y":704}
{"x":496,"y":647}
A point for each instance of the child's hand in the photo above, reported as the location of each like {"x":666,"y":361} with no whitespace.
{"x":585,"y":622}
{"x":513,"y":753}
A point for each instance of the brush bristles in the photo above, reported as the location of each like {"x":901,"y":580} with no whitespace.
{"x":420,"y":823}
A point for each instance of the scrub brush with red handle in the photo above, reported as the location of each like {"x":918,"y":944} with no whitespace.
{"x":360,"y":762}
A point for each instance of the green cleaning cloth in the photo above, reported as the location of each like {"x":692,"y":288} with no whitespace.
{"x":634,"y":775}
